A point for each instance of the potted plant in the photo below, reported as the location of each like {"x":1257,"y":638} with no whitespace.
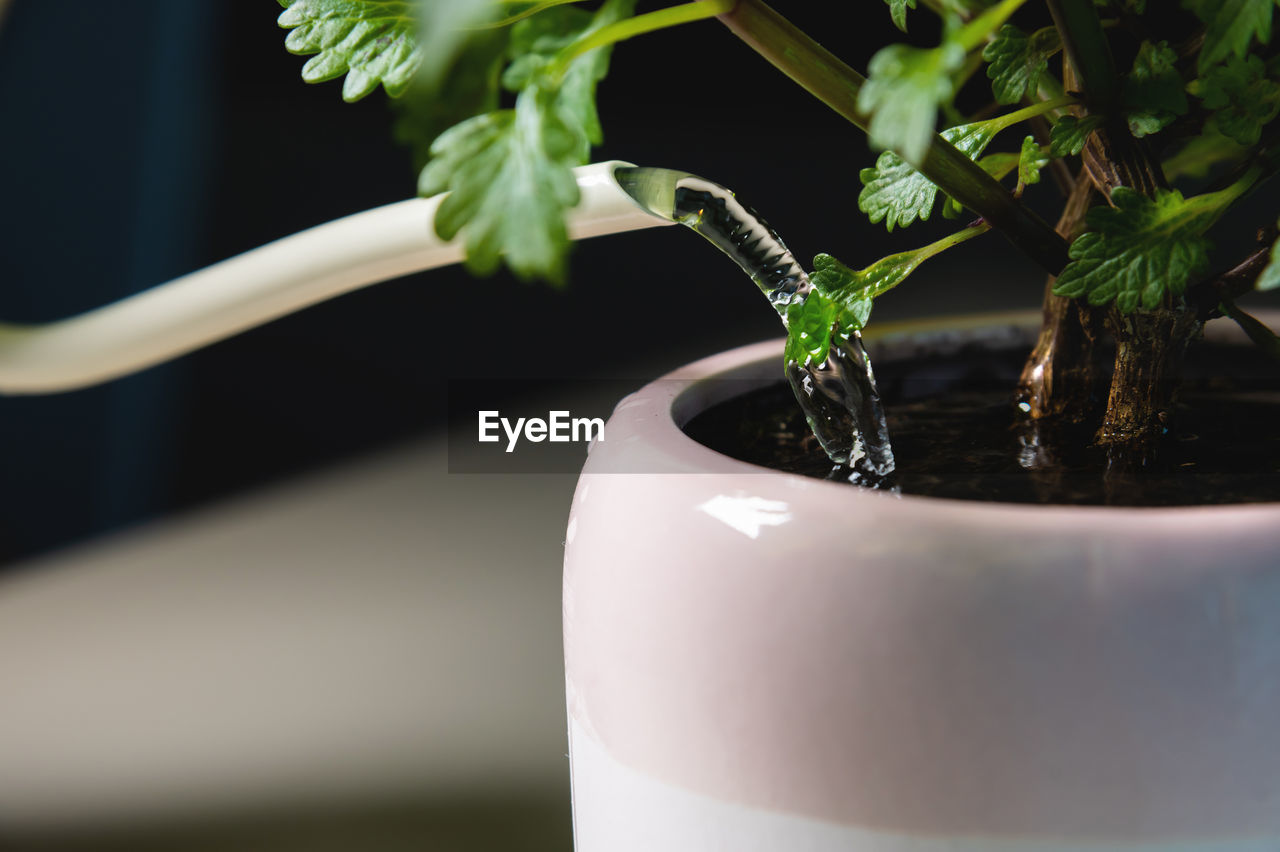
{"x":761,"y":660}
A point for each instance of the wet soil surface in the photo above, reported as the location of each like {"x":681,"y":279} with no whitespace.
{"x":956,"y":434}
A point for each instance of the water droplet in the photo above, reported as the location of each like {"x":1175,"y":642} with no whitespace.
{"x":838,"y":396}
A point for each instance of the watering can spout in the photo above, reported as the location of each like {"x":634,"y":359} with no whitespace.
{"x":266,"y":283}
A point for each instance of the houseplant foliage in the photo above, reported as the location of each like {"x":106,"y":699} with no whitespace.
{"x":1146,"y":122}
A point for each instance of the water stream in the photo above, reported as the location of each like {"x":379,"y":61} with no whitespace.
{"x":838,"y":396}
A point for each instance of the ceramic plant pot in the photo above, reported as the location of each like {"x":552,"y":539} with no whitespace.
{"x":761,"y":661}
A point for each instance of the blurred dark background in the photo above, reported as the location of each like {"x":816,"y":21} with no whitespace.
{"x":145,"y":139}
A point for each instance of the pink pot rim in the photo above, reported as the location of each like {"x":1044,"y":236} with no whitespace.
{"x":656,"y":413}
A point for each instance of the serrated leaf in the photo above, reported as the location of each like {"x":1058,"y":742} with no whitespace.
{"x":509,"y":173}
{"x":902,"y":93}
{"x":809,"y":325}
{"x":422,"y":113}
{"x":1069,"y":133}
{"x":1141,"y":249}
{"x":1242,"y":97}
{"x":1031,"y":159}
{"x":1153,"y":92}
{"x":850,"y":290}
{"x":538,"y":41}
{"x":1270,"y":277}
{"x":1016,"y":61}
{"x":1230,"y":27}
{"x":898,"y":11}
{"x":895,"y":192}
{"x":372,"y":42}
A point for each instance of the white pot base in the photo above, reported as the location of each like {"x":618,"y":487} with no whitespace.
{"x":618,"y":809}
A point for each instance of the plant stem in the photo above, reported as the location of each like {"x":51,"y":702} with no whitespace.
{"x":1112,"y":157}
{"x":1086,"y":46}
{"x":1150,"y":347}
{"x":1235,"y":282}
{"x":1062,"y":379}
{"x":975,"y":32}
{"x":1262,"y":337}
{"x":920,"y":255}
{"x":1002,"y":122}
{"x":627,"y":28}
{"x":831,"y":81}
{"x":520,"y":16}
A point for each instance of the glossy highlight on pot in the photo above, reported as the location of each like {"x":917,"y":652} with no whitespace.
{"x":838,"y":396}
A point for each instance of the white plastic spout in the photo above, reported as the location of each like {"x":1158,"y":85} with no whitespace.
{"x":267,"y":283}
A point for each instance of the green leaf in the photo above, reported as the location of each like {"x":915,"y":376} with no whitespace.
{"x":538,"y":42}
{"x":1031,"y":160}
{"x":1000,"y":164}
{"x":1153,"y":91}
{"x":898,"y":11}
{"x":1017,"y":60}
{"x":1069,"y":133}
{"x":1141,"y":249}
{"x":371,"y":41}
{"x":1243,"y":98}
{"x":1270,"y":277}
{"x":902,"y":93}
{"x":1230,"y":27}
{"x":422,"y":113}
{"x":1197,"y":158}
{"x":448,"y":30}
{"x":842,"y":297}
{"x":849,"y":290}
{"x":809,"y":329}
{"x":898,"y":194}
{"x":509,"y":172}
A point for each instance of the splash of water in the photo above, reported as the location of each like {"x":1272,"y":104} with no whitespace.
{"x":838,"y":396}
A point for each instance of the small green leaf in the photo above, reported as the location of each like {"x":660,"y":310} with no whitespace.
{"x":1000,"y":164}
{"x":1230,"y":27}
{"x":1153,"y":91}
{"x":1242,"y":96}
{"x":902,"y":93}
{"x":509,"y":173}
{"x":898,"y":11}
{"x":809,"y":329}
{"x":1197,"y":158}
{"x":898,"y":194}
{"x":1017,"y":60}
{"x":1069,"y":133}
{"x":371,"y":41}
{"x":851,"y":292}
{"x":1270,"y":277}
{"x":1031,"y":160}
{"x":537,"y":43}
{"x":1141,"y":249}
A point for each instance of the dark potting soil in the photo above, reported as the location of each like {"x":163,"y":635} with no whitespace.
{"x":956,"y":434}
